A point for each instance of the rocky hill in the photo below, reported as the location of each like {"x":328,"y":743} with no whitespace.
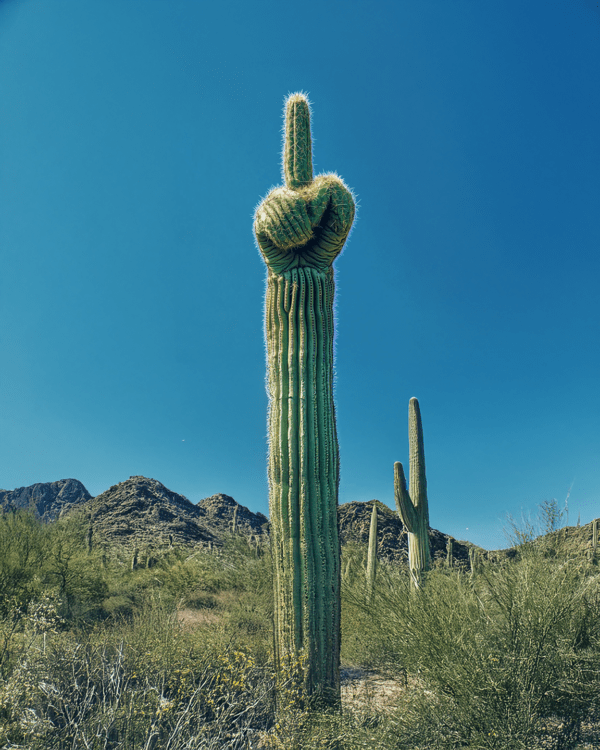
{"x":218,"y":513}
{"x":47,"y":500}
{"x":142,"y":512}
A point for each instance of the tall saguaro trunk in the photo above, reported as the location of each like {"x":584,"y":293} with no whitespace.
{"x":300,"y":229}
{"x":304,"y":472}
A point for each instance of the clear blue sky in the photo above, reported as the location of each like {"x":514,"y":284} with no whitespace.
{"x":137,"y":137}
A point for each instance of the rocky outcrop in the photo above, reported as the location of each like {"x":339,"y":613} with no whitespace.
{"x":47,"y":500}
{"x":142,"y":512}
{"x":218,"y":516}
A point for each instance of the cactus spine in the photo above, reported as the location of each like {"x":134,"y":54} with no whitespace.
{"x":300,"y":230}
{"x":412,"y":506}
{"x":372,"y":554}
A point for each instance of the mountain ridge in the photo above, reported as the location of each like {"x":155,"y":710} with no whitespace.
{"x":142,"y":513}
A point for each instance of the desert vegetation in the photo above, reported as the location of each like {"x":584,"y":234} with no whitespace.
{"x":97,"y":653}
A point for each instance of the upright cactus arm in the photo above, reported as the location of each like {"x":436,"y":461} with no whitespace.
{"x":418,"y":481}
{"x":305,"y":223}
{"x":404,"y":506}
{"x":300,"y":229}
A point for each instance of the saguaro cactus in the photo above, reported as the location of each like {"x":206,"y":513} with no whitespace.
{"x":450,"y":552}
{"x":372,"y":553}
{"x":412,"y":506}
{"x":89,"y":535}
{"x":301,"y":228}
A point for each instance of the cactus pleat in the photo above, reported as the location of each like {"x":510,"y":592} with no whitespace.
{"x":413,"y":506}
{"x":300,"y":229}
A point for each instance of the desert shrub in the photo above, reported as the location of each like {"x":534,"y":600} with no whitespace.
{"x":146,"y":683}
{"x":70,"y":571}
{"x":493,"y":656}
{"x":22,"y":550}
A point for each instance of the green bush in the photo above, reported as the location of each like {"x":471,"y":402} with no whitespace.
{"x":22,"y":551}
{"x":492,"y":658}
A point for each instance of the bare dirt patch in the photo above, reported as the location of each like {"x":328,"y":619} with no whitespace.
{"x":189,"y":619}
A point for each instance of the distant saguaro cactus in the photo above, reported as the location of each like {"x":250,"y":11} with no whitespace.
{"x":234,"y":521}
{"x":412,"y":506}
{"x":89,"y":535}
{"x":475,"y":561}
{"x":372,"y":553}
{"x":300,"y":229}
{"x":450,"y":552}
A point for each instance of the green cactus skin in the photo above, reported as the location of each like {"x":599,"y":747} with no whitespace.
{"x":372,"y":554}
{"x":412,"y":506}
{"x":300,"y":230}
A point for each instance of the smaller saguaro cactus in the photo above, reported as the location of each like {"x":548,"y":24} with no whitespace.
{"x":234,"y":522}
{"x":134,"y":559}
{"x":595,"y":535}
{"x":475,"y":560}
{"x":372,"y":553}
{"x":450,"y":552}
{"x":88,"y":536}
{"x":413,"y":507}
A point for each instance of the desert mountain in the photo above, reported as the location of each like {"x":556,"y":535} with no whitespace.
{"x":47,"y":500}
{"x":143,"y":513}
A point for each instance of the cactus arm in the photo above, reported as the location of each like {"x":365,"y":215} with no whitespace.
{"x":306,"y":222}
{"x":297,"y":146}
{"x":404,"y":505}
